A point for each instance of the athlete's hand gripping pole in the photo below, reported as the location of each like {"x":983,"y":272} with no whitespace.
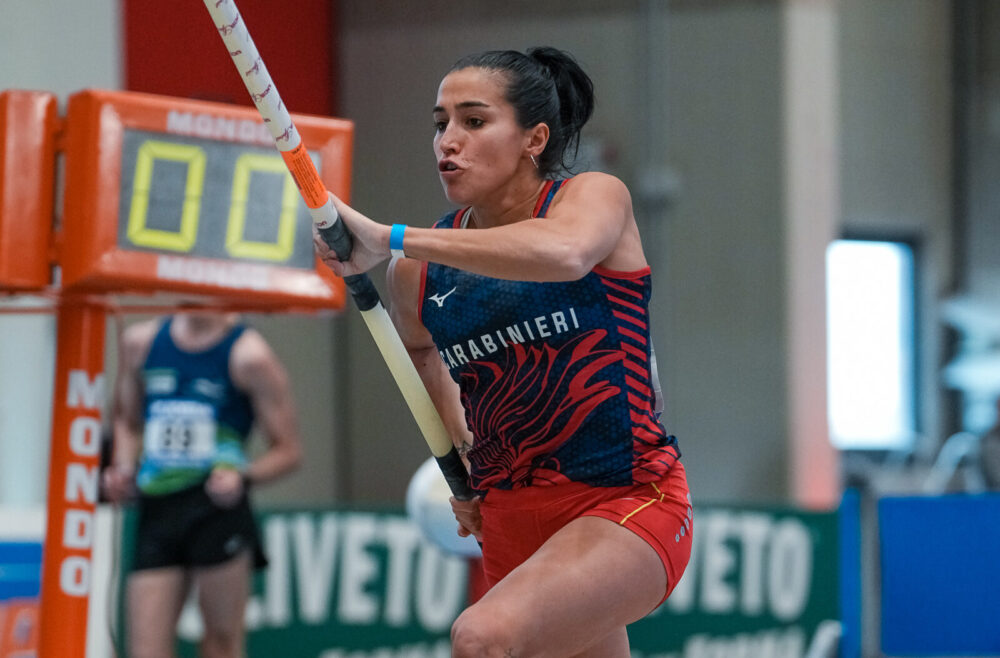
{"x":250,"y":66}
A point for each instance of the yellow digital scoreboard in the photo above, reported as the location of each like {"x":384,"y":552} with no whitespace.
{"x":165,"y":195}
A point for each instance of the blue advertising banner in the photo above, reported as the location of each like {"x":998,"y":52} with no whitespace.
{"x":20,"y":581}
{"x":940,"y":575}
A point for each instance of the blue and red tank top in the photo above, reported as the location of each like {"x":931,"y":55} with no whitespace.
{"x":556,"y":378}
{"x":195,"y":417}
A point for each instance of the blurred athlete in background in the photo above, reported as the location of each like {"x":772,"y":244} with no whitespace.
{"x":189,"y":388}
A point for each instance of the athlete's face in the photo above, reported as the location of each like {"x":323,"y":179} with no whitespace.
{"x":477,"y":140}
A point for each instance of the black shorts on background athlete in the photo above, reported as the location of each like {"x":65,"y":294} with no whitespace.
{"x":187,"y":529}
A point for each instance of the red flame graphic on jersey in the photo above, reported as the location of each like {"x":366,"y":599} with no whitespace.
{"x":531,"y":406}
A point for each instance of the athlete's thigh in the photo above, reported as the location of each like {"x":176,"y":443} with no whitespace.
{"x":154,"y":601}
{"x":223,"y":590}
{"x":613,"y":645}
{"x":582,"y":586}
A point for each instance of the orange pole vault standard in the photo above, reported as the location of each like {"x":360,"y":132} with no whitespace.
{"x":74,"y":474}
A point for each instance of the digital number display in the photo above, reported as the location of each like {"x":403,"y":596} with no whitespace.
{"x":180,"y":196}
{"x":211,"y":199}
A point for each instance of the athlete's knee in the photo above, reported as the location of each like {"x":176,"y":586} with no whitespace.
{"x":149,"y":643}
{"x":148,"y":650}
{"x":222,"y":643}
{"x":478,"y":634}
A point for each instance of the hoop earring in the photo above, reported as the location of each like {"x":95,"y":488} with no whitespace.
{"x":533,"y":161}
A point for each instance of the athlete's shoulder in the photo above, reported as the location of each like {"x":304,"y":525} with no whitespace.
{"x":143,"y":331}
{"x":136,"y":340}
{"x":594,"y":181}
{"x":252,"y":361}
{"x":251,"y":348}
{"x":593,"y":193}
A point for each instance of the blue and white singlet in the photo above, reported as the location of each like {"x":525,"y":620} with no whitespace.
{"x":195,"y":417}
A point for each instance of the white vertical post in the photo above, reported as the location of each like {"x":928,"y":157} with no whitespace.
{"x":27,"y":361}
{"x":812,"y":210}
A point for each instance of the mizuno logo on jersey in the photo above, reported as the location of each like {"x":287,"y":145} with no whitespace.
{"x":439,"y":299}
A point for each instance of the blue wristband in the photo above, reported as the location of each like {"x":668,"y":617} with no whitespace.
{"x":396,"y":240}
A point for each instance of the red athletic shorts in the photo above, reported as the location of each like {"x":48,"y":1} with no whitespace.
{"x":517,"y":522}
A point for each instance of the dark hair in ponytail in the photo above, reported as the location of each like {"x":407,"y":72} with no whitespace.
{"x":545,"y":85}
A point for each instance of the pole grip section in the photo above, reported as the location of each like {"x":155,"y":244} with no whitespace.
{"x":363,"y":291}
{"x":337,"y":238}
{"x":455,"y":475}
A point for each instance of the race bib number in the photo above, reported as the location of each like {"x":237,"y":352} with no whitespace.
{"x":180,"y":434}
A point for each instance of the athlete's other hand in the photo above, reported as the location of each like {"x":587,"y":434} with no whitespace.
{"x":470,"y":521}
{"x":118,"y":483}
{"x":371,"y":242}
{"x":225,"y":486}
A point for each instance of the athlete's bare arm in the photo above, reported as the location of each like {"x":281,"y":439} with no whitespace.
{"x":403,"y":279}
{"x":127,"y":417}
{"x":403,"y":283}
{"x":590,"y":222}
{"x":256,"y":370}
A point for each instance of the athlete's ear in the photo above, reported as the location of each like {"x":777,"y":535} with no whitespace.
{"x":537,"y":139}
